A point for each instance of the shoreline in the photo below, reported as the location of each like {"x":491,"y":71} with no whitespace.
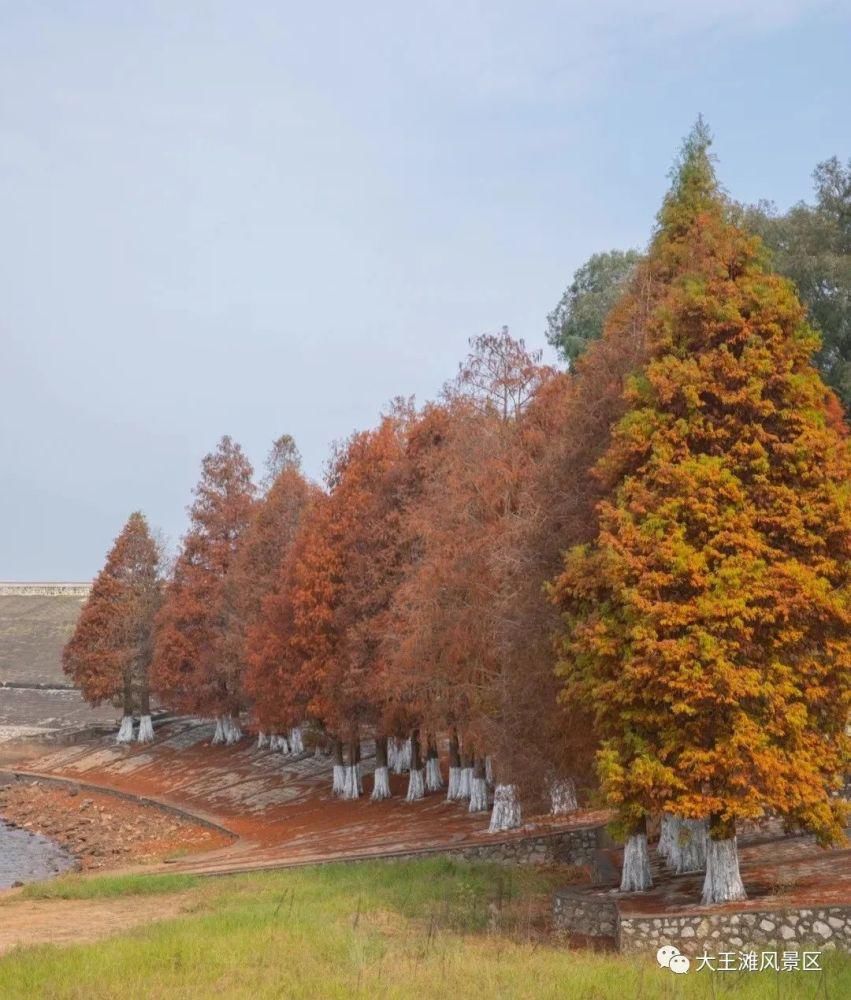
{"x":100,"y":831}
{"x":30,"y":856}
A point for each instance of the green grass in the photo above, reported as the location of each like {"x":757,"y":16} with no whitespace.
{"x":426,"y":929}
{"x":107,"y":886}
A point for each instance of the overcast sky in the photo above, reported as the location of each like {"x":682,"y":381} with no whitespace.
{"x":256,"y":218}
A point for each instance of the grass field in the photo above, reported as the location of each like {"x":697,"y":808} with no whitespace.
{"x":425,"y":929}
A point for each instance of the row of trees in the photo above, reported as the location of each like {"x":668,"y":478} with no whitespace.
{"x":642,"y":564}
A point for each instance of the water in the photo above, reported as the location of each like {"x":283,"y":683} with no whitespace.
{"x":29,"y":857}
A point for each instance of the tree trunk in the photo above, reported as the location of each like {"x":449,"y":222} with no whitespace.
{"x":146,"y":726}
{"x":479,"y":788}
{"x":262,"y":741}
{"x":125,"y":730}
{"x":218,"y":735}
{"x":338,"y":780}
{"x":381,"y":779}
{"x":667,"y":830}
{"x":562,"y":797}
{"x":433,"y":777}
{"x":691,"y":840}
{"x":352,"y":785}
{"x":231,"y":729}
{"x":465,"y":781}
{"x":506,"y":813}
{"x":416,"y":783}
{"x":636,"y":861}
{"x":296,"y":741}
{"x":723,"y":883}
{"x":453,"y":786}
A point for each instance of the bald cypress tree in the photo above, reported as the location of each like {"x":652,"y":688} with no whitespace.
{"x":109,"y":655}
{"x":197,"y":664}
{"x":708,"y":625}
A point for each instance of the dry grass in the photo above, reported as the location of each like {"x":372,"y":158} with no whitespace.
{"x":423,"y":929}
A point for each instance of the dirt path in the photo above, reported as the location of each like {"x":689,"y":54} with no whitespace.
{"x":72,"y":921}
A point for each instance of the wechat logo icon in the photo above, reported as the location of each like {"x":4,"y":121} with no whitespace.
{"x":669,"y":957}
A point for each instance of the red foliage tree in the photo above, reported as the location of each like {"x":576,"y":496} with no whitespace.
{"x":263,"y":552}
{"x":449,"y":626}
{"x":108,"y":657}
{"x":197,"y":665}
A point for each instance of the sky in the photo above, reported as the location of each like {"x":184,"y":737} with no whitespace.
{"x":262,"y":218}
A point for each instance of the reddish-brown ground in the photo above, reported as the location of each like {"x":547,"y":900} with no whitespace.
{"x":281,"y":810}
{"x":103,"y":831}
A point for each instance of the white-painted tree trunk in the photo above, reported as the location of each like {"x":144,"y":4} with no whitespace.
{"x":489,"y":770}
{"x":416,"y":785}
{"x":453,"y":787}
{"x":262,"y":740}
{"x":338,"y":779}
{"x":478,"y":795}
{"x":666,"y":835}
{"x":219,"y":734}
{"x":146,"y":730}
{"x":433,"y":779}
{"x":296,"y":740}
{"x":351,"y":783}
{"x":636,"y":865}
{"x":562,"y":797}
{"x":381,"y":784}
{"x":723,"y":883}
{"x":672,"y":854}
{"x":692,"y":835}
{"x":125,"y":730}
{"x":231,"y":730}
{"x":465,"y":783}
{"x":506,"y":813}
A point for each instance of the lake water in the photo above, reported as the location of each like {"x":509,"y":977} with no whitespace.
{"x":29,"y":857}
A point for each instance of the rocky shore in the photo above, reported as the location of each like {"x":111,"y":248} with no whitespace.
{"x":102,"y":831}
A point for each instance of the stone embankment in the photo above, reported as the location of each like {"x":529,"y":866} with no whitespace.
{"x":782,"y":928}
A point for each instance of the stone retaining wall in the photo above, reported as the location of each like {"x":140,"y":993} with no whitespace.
{"x":591,"y":916}
{"x":567,"y":847}
{"x":576,"y":911}
{"x":571,"y":847}
{"x":823,"y":927}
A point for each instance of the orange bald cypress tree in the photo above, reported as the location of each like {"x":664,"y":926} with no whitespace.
{"x":340,"y":586}
{"x":197,"y":665}
{"x":456,"y":602}
{"x":108,"y":656}
{"x":268,"y":539}
{"x":709,"y":624}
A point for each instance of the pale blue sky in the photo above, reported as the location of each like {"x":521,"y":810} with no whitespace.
{"x":256,"y":218}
